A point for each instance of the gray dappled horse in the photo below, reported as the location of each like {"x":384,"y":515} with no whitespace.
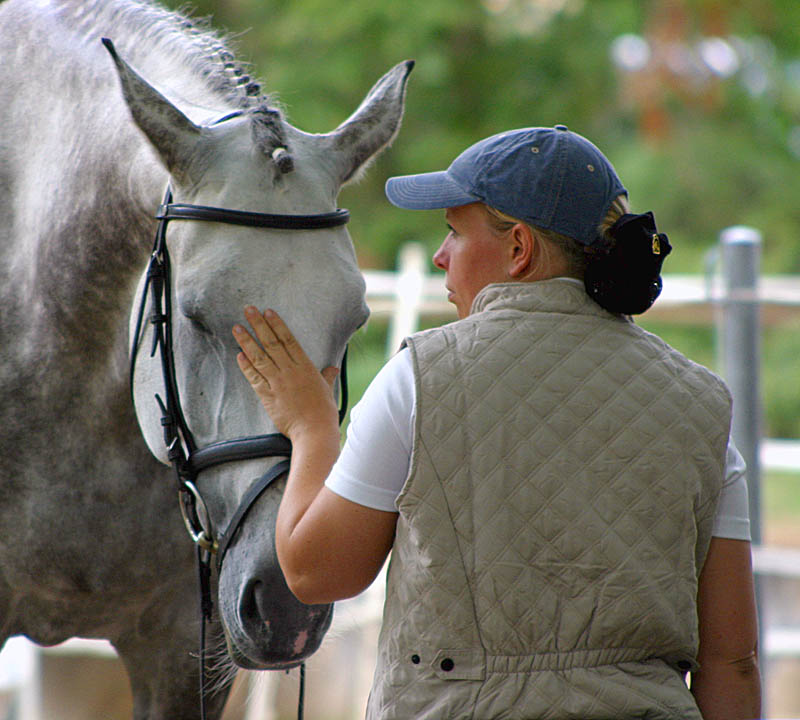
{"x":92,"y":541}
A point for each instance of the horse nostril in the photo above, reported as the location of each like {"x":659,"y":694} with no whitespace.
{"x":251,"y":610}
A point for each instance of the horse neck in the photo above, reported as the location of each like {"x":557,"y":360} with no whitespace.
{"x":90,"y":182}
{"x":184,"y":58}
{"x":110,"y":179}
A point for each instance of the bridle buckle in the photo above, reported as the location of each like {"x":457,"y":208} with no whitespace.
{"x":196,"y":517}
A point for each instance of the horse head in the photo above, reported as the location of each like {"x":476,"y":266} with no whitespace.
{"x":253,"y":160}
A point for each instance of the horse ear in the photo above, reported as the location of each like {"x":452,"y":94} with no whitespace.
{"x":173,"y":135}
{"x":372,"y":126}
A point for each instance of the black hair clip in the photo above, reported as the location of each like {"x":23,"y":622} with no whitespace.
{"x":626,"y":277}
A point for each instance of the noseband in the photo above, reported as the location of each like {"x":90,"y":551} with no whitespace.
{"x":187,"y":460}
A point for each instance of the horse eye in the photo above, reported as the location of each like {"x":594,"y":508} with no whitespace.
{"x":199,"y":325}
{"x":190,"y":311}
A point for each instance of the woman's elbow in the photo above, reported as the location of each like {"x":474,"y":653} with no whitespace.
{"x":306,"y":590}
{"x":303,"y":582}
{"x":738,"y":652}
{"x":306,"y":581}
{"x":747,"y":666}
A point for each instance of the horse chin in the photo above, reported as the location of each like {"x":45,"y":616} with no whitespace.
{"x":263,"y":649}
{"x":246,"y":663}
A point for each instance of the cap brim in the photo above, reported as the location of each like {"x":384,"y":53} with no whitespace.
{"x":428,"y":191}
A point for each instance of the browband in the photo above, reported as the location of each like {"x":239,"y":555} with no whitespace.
{"x":180,"y":211}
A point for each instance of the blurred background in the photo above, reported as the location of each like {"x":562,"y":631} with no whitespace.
{"x":697,"y":104}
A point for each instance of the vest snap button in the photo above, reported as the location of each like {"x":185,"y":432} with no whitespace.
{"x":447,"y":665}
{"x":415,"y":659}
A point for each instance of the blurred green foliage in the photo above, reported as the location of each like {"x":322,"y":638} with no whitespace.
{"x":704,"y":151}
{"x":696,"y":102}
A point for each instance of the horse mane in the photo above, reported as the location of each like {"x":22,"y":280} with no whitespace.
{"x":183,"y":58}
{"x":152,"y":31}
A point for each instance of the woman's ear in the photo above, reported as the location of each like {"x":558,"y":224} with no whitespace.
{"x":521,"y":251}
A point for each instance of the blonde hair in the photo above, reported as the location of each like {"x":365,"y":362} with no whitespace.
{"x":571,"y":250}
{"x":618,"y":208}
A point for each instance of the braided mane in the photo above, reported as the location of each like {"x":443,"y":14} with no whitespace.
{"x":152,"y":31}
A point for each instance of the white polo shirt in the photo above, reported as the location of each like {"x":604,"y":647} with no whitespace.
{"x":374,"y":463}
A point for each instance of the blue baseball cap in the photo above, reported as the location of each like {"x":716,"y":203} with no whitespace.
{"x":551,"y":178}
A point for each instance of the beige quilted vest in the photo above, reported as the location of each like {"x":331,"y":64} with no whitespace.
{"x":564,"y":478}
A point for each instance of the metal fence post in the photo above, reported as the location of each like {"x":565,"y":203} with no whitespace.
{"x":741,"y":345}
{"x":21,"y":678}
{"x":741,"y":360}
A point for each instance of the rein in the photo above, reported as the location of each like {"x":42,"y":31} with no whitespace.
{"x":187,"y":460}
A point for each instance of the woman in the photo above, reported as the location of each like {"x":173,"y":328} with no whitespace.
{"x":567,"y":517}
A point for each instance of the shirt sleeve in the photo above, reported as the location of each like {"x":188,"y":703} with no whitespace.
{"x":733,"y":514}
{"x":373,"y":465}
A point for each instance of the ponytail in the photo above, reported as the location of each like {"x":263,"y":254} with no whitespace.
{"x":623,"y":270}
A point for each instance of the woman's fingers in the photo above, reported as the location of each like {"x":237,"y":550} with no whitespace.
{"x":252,"y":375}
{"x":298,"y":398}
{"x":275,"y":338}
{"x":330,"y":374}
{"x":266,"y":336}
{"x":253,"y":351}
{"x":284,"y":337}
{"x":273,"y":351}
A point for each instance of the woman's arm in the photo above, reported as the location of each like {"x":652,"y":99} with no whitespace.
{"x":328,"y":547}
{"x":728,"y":684}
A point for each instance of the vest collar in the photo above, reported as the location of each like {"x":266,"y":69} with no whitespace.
{"x":562,"y":295}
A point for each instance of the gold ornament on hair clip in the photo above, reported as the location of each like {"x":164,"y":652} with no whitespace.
{"x":656,"y":244}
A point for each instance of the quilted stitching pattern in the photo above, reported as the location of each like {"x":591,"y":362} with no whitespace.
{"x":562,"y":457}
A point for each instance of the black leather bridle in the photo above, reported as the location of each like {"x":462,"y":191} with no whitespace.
{"x":187,"y":460}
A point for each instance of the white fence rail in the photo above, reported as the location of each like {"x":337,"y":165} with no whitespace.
{"x":412,"y":292}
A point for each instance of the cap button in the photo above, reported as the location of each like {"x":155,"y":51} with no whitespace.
{"x":563,"y":128}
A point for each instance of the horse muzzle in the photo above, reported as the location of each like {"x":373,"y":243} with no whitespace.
{"x":269,"y":628}
{"x":266,"y":626}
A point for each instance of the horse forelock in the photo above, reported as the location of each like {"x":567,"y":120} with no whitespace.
{"x":188,"y":42}
{"x":267,"y":129}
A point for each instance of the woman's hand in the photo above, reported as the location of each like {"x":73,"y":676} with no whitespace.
{"x":329,"y":548}
{"x":298,"y":398}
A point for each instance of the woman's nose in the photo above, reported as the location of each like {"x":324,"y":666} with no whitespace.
{"x":440,"y":257}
